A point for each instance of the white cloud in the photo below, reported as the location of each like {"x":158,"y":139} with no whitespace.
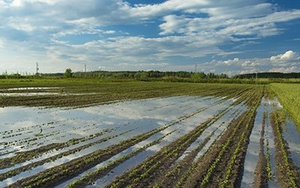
{"x":230,"y":61}
{"x":285,"y":69}
{"x":288,"y":62}
{"x":189,"y":29}
{"x":259,"y":26}
{"x":286,"y":57}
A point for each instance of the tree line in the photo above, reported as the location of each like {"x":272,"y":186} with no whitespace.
{"x":268,"y":75}
{"x":144,"y":75}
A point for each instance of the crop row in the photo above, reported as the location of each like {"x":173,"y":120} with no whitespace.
{"x":31,"y":154}
{"x":89,"y":178}
{"x":263,"y":168}
{"x":200,"y":174}
{"x":177,"y":170}
{"x":284,"y":165}
{"x":55,"y":157}
{"x":241,"y":146}
{"x":108,"y":92}
{"x":70,"y":169}
{"x":26,"y":167}
{"x":180,"y":173}
{"x":159,"y":163}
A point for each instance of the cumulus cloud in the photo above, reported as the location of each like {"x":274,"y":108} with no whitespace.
{"x":50,"y":29}
{"x":285,"y":69}
{"x":288,"y":62}
{"x":288,"y":56}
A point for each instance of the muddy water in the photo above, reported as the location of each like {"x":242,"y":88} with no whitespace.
{"x":46,"y":126}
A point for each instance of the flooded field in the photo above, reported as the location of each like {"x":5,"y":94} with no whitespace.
{"x":182,"y":141}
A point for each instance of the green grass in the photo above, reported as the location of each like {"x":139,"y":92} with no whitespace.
{"x":289,"y":97}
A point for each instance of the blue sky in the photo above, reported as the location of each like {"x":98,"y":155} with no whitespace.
{"x":229,"y":37}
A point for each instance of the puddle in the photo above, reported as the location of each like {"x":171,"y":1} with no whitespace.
{"x":269,"y":148}
{"x":213,"y":131}
{"x":292,"y":137}
{"x":30,"y":88}
{"x":251,"y":158}
{"x":24,"y":128}
{"x":219,"y":127}
{"x":181,"y":128}
{"x":24,"y":94}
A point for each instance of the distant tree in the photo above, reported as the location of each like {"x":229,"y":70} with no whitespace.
{"x":222,"y":75}
{"x":68,"y":73}
{"x":198,"y":76}
{"x":211,"y":75}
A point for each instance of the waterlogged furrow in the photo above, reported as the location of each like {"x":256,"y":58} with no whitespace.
{"x":54,"y":171}
{"x":156,"y":165}
{"x":182,"y":109}
{"x":184,"y":101}
{"x":27,"y":155}
{"x":234,"y":168}
{"x":182,"y":165}
{"x":189,"y":170}
{"x":182,"y":118}
{"x":217,"y":129}
{"x":62,"y":172}
{"x":182,"y":124}
{"x":102,"y":169}
{"x":64,"y":123}
{"x":199,"y":147}
{"x":58,"y":159}
{"x":253,"y":150}
{"x":216,"y":161}
{"x":269,"y":150}
{"x":182,"y":127}
{"x":286,"y":174}
{"x":262,"y":169}
{"x":220,"y":131}
{"x":292,"y":138}
{"x":35,"y":141}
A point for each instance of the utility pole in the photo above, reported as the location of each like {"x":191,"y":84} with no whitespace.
{"x":196,"y":67}
{"x":85,"y":69}
{"x":37,"y":69}
{"x":256,"y":72}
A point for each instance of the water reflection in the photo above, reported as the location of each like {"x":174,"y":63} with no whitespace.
{"x":24,"y":128}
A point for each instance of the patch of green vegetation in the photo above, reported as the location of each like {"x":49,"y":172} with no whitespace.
{"x":277,"y":119}
{"x":289,"y":97}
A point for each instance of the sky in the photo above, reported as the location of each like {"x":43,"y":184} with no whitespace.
{"x":232,"y":37}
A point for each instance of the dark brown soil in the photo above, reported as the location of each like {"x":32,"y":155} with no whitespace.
{"x":232,"y":137}
{"x":205,"y":162}
{"x":161,"y":162}
{"x":261,"y":176}
{"x":170,"y":178}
